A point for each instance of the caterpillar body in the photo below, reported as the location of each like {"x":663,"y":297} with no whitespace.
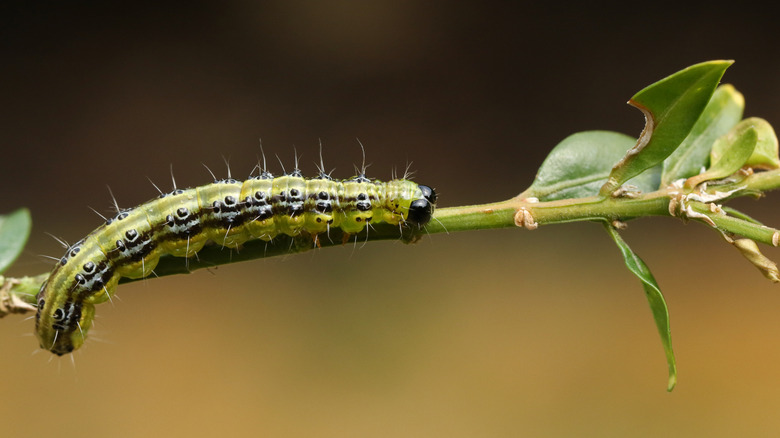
{"x":227,"y":212}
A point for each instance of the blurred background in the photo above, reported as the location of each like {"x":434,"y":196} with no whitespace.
{"x":491,"y":333}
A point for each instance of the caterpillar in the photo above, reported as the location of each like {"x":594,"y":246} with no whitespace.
{"x":227,"y":212}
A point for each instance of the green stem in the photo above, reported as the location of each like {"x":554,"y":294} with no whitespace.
{"x":738,"y":226}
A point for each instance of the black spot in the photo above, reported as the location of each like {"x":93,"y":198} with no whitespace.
{"x":265,"y":213}
{"x":362,"y":197}
{"x":259,"y":195}
{"x":63,"y":261}
{"x":169,"y":220}
{"x":215,"y":206}
{"x":182,"y":212}
{"x":229,"y":200}
{"x":131,"y":235}
{"x":80,"y":279}
{"x":89,"y":267}
{"x":363,"y":205}
{"x":58,"y":315}
{"x":105,"y":276}
{"x":295,"y":193}
{"x":323,"y":196}
{"x":75,"y":251}
{"x":121,"y":216}
{"x":120,"y":245}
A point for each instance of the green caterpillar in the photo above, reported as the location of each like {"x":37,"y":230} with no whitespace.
{"x":226,"y":212}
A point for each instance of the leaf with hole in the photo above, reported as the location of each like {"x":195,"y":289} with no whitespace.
{"x":671,"y":107}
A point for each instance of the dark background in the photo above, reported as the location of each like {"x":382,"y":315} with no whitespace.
{"x":493,"y":333}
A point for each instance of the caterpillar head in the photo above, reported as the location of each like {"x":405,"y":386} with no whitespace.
{"x":61,"y":324}
{"x":421,"y":209}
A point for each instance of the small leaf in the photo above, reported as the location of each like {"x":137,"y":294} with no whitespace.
{"x":14,"y":231}
{"x":765,"y":154}
{"x":729,"y":153}
{"x":580,"y":164}
{"x":671,"y":107}
{"x":654,"y":297}
{"x":722,"y":113}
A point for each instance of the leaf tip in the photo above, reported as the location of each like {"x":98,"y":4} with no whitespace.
{"x":672,"y":382}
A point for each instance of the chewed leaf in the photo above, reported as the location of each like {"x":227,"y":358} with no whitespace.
{"x":654,"y":297}
{"x":14,"y":231}
{"x":580,"y":164}
{"x":671,"y":107}
{"x":729,"y":153}
{"x":721,"y":114}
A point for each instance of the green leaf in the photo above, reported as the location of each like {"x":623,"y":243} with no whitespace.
{"x":765,"y":154}
{"x":722,"y":113}
{"x":654,"y":297}
{"x":671,"y":107}
{"x":729,"y":153}
{"x":580,"y":164}
{"x":14,"y":231}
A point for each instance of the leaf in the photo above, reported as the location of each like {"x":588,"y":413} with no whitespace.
{"x":764,"y":156}
{"x":671,"y":107}
{"x":654,"y":297}
{"x":721,"y":114}
{"x":729,"y":153}
{"x":580,"y":164}
{"x":14,"y":231}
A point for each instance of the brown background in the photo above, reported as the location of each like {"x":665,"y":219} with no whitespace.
{"x":492,"y":333}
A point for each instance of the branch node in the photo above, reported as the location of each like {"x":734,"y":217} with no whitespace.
{"x":524,"y":218}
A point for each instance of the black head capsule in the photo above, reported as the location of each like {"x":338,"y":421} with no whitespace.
{"x":421,"y":210}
